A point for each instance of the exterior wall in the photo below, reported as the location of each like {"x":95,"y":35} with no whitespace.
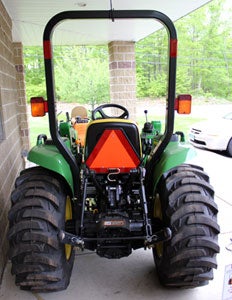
{"x":12,"y":118}
{"x":123,"y":75}
{"x":21,"y":96}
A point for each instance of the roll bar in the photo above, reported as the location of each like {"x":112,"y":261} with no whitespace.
{"x":108,"y":14}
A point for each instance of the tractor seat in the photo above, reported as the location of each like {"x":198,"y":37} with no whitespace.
{"x":112,"y":144}
{"x":79,"y":121}
{"x":79,"y":112}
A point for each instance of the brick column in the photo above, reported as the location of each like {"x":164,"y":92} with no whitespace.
{"x":21,"y":89}
{"x":123,"y":75}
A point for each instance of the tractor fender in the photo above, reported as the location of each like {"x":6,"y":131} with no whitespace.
{"x":175,"y":154}
{"x":48,"y":156}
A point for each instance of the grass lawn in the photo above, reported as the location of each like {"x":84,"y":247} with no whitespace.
{"x":38,"y":126}
{"x":184,"y":123}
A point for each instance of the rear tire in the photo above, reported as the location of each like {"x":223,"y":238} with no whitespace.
{"x":229,"y":148}
{"x":39,"y":261}
{"x":186,"y":203}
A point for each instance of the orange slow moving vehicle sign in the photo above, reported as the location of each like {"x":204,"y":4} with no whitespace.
{"x":113,"y":150}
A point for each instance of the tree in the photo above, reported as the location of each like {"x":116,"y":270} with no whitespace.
{"x":151,"y":64}
{"x":34,"y":72}
{"x":200,"y":47}
{"x":81,"y":74}
{"x":204,"y":55}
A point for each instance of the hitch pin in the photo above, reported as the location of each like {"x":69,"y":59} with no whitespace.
{"x":160,"y":236}
{"x":71,"y":239}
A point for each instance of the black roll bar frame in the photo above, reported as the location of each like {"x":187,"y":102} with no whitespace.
{"x":50,"y":86}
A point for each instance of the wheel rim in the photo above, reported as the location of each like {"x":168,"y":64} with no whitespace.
{"x":158,"y":215}
{"x":68,"y":216}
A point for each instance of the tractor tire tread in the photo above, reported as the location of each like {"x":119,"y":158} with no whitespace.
{"x":191,"y":213}
{"x":37,"y":215}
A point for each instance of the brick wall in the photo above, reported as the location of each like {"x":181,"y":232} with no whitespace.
{"x":123,"y":74}
{"x":13,"y":119}
{"x":21,"y":96}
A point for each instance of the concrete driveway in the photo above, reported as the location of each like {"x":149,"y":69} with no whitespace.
{"x":135,"y":277}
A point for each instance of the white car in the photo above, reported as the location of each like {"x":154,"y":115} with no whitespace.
{"x":214,"y":135}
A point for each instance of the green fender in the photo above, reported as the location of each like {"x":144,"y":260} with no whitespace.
{"x":49,"y":157}
{"x":174,"y":155}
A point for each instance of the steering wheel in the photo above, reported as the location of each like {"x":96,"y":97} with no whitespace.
{"x":100,"y":110}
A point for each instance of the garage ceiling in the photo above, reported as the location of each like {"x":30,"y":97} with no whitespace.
{"x":30,"y":17}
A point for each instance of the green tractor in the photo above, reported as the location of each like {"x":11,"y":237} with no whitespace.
{"x":112,"y":191}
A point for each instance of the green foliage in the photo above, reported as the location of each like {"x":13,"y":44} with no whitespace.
{"x":204,"y":55}
{"x":34,"y":72}
{"x":158,"y":86}
{"x":81,"y":74}
{"x":151,"y":61}
{"x":183,"y":81}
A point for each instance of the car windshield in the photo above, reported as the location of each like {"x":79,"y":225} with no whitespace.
{"x":228,"y":116}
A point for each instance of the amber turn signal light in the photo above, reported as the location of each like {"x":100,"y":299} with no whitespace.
{"x":39,"y":107}
{"x":183,"y":104}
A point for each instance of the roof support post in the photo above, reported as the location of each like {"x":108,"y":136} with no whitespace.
{"x":123,"y":74}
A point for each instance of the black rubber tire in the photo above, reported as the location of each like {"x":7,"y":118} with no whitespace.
{"x":188,"y":208}
{"x":37,"y":214}
{"x":229,"y":148}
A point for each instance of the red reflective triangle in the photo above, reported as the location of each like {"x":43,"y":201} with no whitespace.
{"x":113,"y":150}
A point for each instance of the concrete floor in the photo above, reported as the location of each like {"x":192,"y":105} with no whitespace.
{"x":135,"y":277}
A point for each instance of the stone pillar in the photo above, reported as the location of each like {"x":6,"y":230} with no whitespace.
{"x":123,"y":75}
{"x":21,"y":90}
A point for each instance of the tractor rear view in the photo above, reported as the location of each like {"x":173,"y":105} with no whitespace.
{"x":103,"y":185}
